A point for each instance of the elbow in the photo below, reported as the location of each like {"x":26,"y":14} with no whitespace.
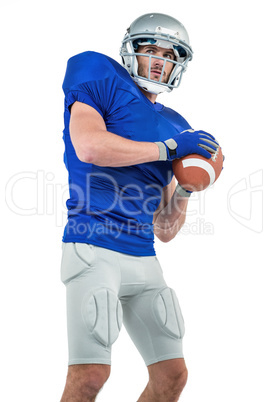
{"x":86,"y":148}
{"x":85,"y":157}
{"x":86,"y":154}
{"x":167,"y":237}
{"x":164,"y":235}
{"x":168,"y":234}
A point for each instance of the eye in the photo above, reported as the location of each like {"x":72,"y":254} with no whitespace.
{"x":149,"y":51}
{"x":169,"y":56}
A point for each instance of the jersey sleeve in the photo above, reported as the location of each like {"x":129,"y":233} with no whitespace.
{"x":90,"y":78}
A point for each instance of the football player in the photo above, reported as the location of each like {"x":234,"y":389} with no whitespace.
{"x":119,"y":147}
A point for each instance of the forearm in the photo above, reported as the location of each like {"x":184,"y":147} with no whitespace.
{"x":103,"y":148}
{"x":171,"y":218}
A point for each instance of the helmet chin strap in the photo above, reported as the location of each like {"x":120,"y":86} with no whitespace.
{"x":150,"y":86}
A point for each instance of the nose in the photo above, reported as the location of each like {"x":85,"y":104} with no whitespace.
{"x":158,"y":62}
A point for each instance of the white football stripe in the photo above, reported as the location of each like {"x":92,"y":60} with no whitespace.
{"x":203,"y":165}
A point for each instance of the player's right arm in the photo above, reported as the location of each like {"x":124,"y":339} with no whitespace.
{"x":94,"y":144}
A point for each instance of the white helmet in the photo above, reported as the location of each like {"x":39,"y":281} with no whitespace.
{"x":163,"y":31}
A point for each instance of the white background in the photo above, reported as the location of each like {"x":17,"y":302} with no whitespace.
{"x":217,"y":265}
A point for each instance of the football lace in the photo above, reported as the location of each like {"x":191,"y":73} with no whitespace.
{"x":214,"y":157}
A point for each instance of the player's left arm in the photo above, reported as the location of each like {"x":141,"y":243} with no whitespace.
{"x":171,"y":213}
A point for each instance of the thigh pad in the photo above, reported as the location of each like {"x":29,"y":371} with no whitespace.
{"x":102,"y":314}
{"x":168,"y":313}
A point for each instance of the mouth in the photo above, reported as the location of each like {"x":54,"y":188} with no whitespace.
{"x":156,"y":72}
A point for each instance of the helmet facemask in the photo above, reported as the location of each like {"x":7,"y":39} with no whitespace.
{"x":163,"y":38}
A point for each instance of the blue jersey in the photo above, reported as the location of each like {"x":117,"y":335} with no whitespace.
{"x":113,"y":207}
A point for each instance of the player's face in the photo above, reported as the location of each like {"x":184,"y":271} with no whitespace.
{"x":156,"y":64}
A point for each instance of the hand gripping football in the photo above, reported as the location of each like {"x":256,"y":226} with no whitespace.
{"x":195,"y":173}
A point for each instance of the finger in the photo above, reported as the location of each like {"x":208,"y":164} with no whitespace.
{"x":203,"y":152}
{"x":213,"y":144}
{"x":209,"y":139}
{"x":207,"y":134}
{"x":208,"y":148}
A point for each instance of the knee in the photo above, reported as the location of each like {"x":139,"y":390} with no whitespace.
{"x":181,"y":378}
{"x":170,"y":383}
{"x":175,"y":381}
{"x":94,"y":381}
{"x":88,"y":379}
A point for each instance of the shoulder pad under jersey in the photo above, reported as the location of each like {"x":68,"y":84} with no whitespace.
{"x":92,"y":66}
